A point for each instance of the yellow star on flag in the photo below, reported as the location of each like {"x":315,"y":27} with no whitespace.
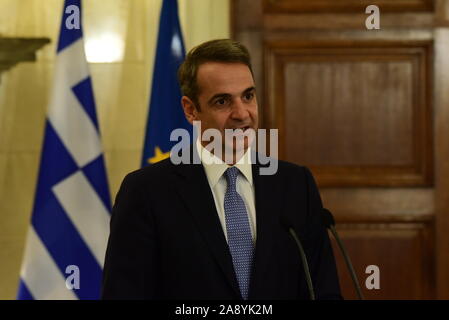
{"x":158,"y":155}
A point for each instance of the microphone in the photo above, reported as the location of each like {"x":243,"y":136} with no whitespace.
{"x":285,"y":222}
{"x":329,"y":223}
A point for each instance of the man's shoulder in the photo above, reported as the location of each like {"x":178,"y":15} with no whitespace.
{"x":161,"y":170}
{"x":154,"y":172}
{"x":290,"y":166}
{"x":286,"y":169}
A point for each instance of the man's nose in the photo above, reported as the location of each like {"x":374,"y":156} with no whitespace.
{"x":239,"y":110}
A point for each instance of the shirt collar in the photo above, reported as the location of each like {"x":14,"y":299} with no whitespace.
{"x":215,"y":167}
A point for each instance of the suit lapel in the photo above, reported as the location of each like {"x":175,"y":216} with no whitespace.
{"x":266,"y":207}
{"x":194,"y":189}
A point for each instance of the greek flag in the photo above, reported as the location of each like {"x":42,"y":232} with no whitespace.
{"x":67,"y":238}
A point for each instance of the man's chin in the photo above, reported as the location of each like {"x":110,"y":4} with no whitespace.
{"x":233,"y":153}
{"x":245,"y":138}
{"x":236,"y":146}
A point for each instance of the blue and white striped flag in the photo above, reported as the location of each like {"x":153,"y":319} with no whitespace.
{"x":67,"y":239}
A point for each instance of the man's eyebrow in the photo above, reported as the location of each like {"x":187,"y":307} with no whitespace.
{"x":227,"y":95}
{"x":250,"y":89}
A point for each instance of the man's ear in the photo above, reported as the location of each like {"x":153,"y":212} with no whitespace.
{"x":189,"y":109}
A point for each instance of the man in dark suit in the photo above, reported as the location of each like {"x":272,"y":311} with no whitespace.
{"x":218,"y":229}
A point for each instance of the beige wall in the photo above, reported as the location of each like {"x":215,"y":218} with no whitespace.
{"x":121,"y":89}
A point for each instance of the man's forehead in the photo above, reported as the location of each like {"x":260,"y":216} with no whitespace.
{"x":224,"y":77}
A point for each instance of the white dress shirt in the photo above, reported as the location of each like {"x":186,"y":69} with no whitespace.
{"x":215,"y":169}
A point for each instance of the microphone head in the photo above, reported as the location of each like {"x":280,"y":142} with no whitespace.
{"x":328,"y":218}
{"x":286,"y":221}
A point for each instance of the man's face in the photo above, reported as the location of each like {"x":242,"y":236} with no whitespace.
{"x":227,"y":99}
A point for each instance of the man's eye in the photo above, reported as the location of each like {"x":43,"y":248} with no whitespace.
{"x":249,"y":96}
{"x":220,"y":102}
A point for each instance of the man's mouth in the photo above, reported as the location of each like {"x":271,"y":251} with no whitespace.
{"x":242,"y":128}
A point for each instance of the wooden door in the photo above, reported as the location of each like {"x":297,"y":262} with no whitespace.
{"x":368,"y":112}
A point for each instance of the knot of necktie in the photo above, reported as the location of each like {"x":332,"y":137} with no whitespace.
{"x":231,"y":176}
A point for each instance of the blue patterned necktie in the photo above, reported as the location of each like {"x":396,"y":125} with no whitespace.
{"x":240,"y":241}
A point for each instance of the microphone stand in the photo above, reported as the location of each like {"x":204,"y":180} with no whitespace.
{"x":304,"y":262}
{"x":330,"y":224}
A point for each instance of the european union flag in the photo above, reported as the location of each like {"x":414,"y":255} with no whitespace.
{"x":166,"y":112}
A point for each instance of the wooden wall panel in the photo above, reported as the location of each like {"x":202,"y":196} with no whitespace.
{"x":380,"y":205}
{"x":358,"y":114}
{"x":392,"y":208}
{"x":298,"y":6}
{"x":403,"y":253}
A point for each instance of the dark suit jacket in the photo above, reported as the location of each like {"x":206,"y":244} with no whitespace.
{"x":166,"y":241}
